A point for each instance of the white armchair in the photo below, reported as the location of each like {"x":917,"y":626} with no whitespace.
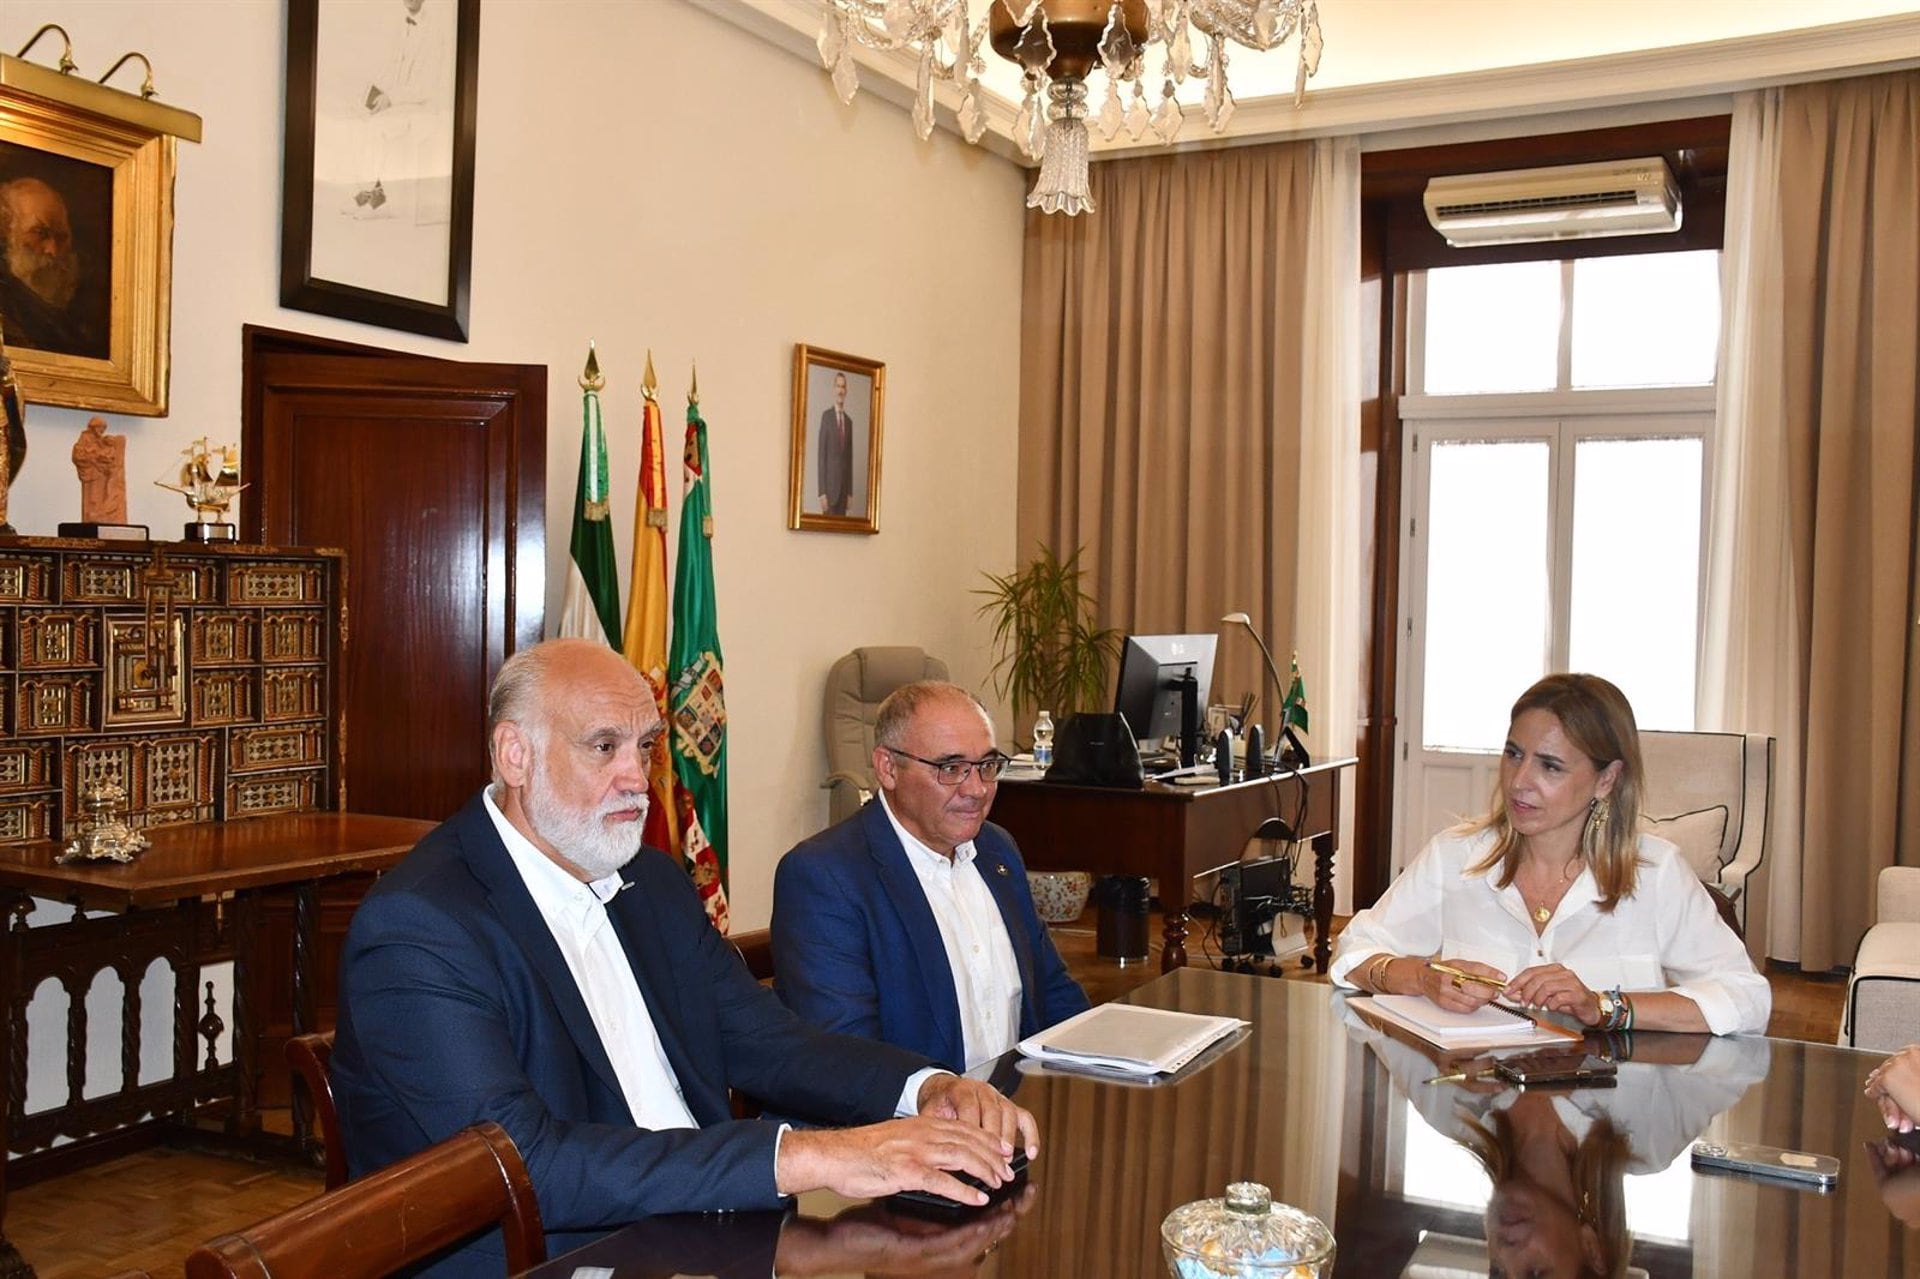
{"x":1883,"y":995}
{"x":1712,"y":794}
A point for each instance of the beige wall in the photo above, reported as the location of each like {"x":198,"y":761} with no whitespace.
{"x":648,"y":176}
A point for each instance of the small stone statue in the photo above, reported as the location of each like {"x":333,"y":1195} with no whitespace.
{"x":101,"y":462}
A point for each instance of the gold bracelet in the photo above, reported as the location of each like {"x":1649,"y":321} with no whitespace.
{"x":1377,"y":973}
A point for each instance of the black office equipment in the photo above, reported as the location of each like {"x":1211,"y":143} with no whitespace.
{"x":1093,"y":749}
{"x":1164,"y":684}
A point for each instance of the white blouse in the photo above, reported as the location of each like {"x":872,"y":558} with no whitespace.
{"x":1668,"y":936}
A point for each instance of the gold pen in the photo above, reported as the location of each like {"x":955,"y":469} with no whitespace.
{"x":1464,"y":975}
{"x":1458,"y":1077}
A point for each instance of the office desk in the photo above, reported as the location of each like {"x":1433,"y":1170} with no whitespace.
{"x":1338,"y":1120}
{"x":191,"y":899}
{"x":1172,"y":833}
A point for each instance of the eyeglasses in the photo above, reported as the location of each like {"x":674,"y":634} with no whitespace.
{"x":952,"y":772}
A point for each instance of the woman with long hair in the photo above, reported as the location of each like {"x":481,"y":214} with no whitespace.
{"x":1555,"y":899}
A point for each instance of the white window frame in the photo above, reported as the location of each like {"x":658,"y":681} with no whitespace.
{"x":1564,"y":417}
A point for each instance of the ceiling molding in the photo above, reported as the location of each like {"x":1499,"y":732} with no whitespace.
{"x":1689,"y":71}
{"x":794,"y":25}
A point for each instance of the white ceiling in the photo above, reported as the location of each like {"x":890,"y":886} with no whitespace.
{"x":1397,"y":65}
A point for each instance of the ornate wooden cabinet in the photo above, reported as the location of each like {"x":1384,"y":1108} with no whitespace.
{"x":200,"y":679}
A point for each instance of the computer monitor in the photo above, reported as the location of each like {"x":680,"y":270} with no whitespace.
{"x":1164,"y":684}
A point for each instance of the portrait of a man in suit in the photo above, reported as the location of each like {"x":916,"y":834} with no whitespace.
{"x":838,"y":400}
{"x":835,"y":451}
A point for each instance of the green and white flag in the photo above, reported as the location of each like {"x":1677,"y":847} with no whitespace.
{"x":590,"y":608}
{"x":696,"y":694}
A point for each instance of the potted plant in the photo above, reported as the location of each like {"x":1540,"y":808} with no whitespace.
{"x":1051,"y":655}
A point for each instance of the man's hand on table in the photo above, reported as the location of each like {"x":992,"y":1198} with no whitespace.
{"x":971,"y":1102}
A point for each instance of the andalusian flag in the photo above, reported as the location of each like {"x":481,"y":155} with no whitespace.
{"x":590,"y":608}
{"x":698,"y":695}
{"x":647,"y":607}
{"x":1293,"y":707}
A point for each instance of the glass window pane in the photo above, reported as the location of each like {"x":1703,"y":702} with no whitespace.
{"x":1493,"y":328}
{"x":1636,"y":571}
{"x":1646,"y":321}
{"x":1487,"y":614}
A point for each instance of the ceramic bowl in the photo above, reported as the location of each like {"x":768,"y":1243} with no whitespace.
{"x":1059,"y":895}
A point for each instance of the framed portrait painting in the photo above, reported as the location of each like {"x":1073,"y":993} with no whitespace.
{"x":838,"y":405}
{"x":86,"y":217}
{"x":377,"y":197}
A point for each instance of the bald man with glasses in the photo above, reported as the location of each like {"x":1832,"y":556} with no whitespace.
{"x":911,"y":921}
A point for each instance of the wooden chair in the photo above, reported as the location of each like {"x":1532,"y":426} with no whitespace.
{"x":756,"y":948}
{"x":389,"y":1219}
{"x":311,"y":1057}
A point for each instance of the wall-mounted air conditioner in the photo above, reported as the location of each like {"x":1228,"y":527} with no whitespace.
{"x":1574,"y":201}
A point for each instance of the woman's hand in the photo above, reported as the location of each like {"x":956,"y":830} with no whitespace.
{"x":1555,"y":988}
{"x":1894,"y":1086}
{"x":1456,"y":994}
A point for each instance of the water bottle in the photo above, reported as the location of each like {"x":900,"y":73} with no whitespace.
{"x":1043,"y":741}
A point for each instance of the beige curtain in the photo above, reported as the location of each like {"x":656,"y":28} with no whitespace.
{"x":1813,"y":579}
{"x":1189,"y":407}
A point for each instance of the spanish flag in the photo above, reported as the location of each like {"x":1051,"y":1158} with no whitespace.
{"x":647,"y":608}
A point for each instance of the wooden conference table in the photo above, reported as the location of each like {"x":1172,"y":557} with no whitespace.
{"x":1337,"y":1119}
{"x":1172,"y":833}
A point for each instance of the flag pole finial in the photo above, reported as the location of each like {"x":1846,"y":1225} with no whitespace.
{"x":649,"y":384}
{"x":693,"y":388}
{"x":590,"y":378}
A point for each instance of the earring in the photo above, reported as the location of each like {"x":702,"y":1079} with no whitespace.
{"x":1599,"y":811}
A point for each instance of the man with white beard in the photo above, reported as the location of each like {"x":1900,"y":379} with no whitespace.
{"x":38,"y":287}
{"x":528,"y":963}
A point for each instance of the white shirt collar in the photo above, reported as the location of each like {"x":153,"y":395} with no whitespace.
{"x":962,"y":852}
{"x":580,"y":905}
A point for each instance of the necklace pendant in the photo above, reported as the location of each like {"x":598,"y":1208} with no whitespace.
{"x":1541,"y":914}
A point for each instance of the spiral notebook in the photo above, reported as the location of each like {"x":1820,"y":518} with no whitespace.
{"x":1490,"y":1026}
{"x":1130,"y":1038}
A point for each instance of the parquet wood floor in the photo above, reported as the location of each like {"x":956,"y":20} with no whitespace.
{"x":149,"y":1210}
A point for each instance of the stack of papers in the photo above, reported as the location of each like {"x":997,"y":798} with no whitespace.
{"x":1493,"y":1026}
{"x":1129,"y":1039}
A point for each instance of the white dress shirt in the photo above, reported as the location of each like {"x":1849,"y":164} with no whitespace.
{"x":576,"y":915}
{"x":986,"y":977}
{"x":1668,"y":936}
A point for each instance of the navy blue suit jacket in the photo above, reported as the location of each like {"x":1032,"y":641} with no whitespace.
{"x":856,"y":948}
{"x":456,"y":1005}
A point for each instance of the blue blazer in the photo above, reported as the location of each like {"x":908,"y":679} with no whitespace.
{"x":456,"y":1005}
{"x":856,"y":948}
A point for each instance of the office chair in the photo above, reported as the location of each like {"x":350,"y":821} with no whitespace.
{"x":856,"y":685}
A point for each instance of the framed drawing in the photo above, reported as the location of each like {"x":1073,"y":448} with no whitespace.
{"x":377,"y":198}
{"x":838,"y":403}
{"x":86,"y":213}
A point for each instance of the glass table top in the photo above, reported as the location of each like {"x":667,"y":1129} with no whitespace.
{"x":1414,"y":1177}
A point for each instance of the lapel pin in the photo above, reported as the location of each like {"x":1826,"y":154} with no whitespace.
{"x":1001,"y":869}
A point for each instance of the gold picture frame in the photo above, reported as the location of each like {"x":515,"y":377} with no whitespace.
{"x":108,"y":159}
{"x":839,"y":404}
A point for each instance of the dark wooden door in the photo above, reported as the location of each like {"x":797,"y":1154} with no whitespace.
{"x":432,"y":475}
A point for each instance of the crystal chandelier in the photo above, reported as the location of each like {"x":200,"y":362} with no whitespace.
{"x":1058,"y":44}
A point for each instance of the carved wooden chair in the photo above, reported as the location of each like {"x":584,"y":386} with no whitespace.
{"x":311,"y":1057}
{"x":389,"y":1219}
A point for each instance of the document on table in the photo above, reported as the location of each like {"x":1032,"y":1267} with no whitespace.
{"x":1129,"y":1038}
{"x":1494,"y":1025}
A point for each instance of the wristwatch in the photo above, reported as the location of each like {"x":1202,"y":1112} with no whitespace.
{"x":1609,"y":1009}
